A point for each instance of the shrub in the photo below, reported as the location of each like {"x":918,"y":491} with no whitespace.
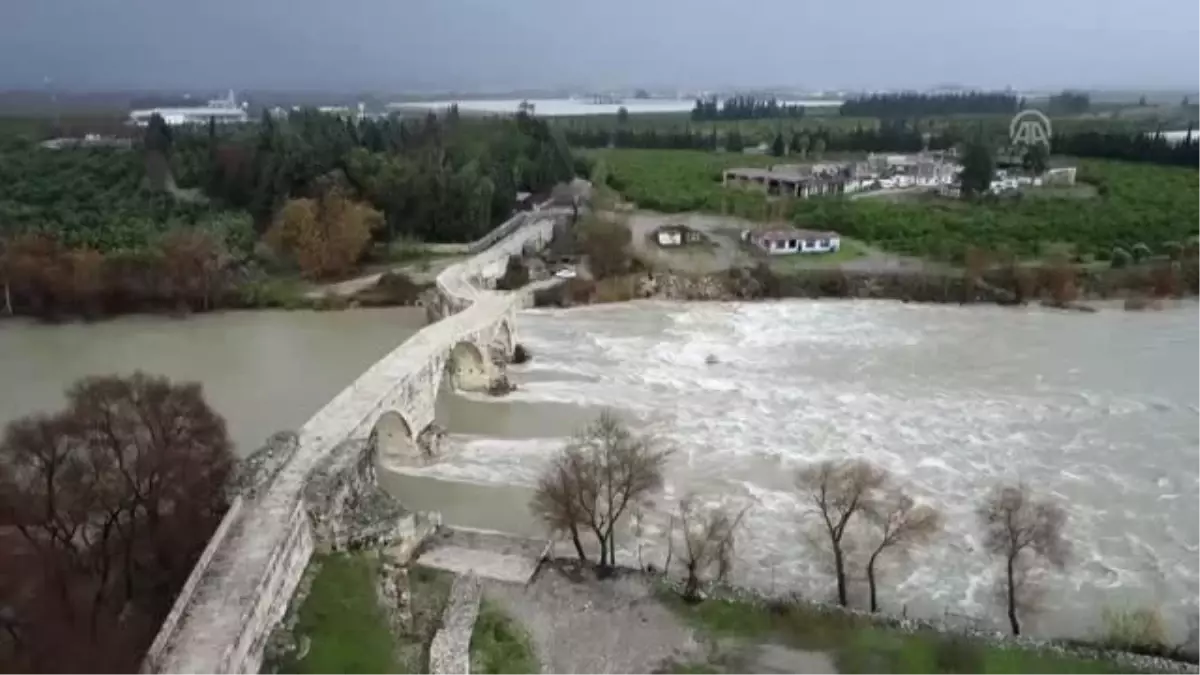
{"x":1120,"y":257}
{"x":616,"y":289}
{"x":606,"y":244}
{"x":1140,"y":251}
{"x":324,"y":236}
{"x":499,"y":644}
{"x":1133,"y":628}
{"x":1173,"y":249}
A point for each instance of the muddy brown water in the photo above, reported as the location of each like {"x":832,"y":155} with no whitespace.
{"x":1098,"y":410}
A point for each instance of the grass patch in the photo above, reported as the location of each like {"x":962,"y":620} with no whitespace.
{"x":499,"y":644}
{"x":858,"y":646}
{"x":429,"y":591}
{"x":694,"y":669}
{"x":347,"y":630}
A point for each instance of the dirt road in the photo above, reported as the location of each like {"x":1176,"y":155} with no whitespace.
{"x":420,"y":271}
{"x":726,"y":251}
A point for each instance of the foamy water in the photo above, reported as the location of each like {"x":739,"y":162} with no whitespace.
{"x":1097,"y":410}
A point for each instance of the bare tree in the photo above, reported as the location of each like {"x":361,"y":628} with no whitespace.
{"x":708,"y":543}
{"x":556,"y":499}
{"x":837,"y":491}
{"x":1021,"y":530}
{"x":902,"y":524}
{"x":104,"y":508}
{"x":595,"y":478}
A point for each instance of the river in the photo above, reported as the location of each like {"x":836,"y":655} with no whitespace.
{"x":1098,"y":410}
{"x":263,"y":371}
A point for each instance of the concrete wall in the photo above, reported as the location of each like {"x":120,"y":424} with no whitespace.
{"x":240,"y":589}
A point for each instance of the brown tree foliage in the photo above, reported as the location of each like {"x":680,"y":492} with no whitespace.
{"x":1059,"y":279}
{"x":593,"y":481}
{"x":41,"y":277}
{"x":324,"y":236}
{"x":707,"y":543}
{"x":1022,"y":530}
{"x":607,"y":245}
{"x":193,"y":263}
{"x":104,"y":508}
{"x":901,"y":524}
{"x":837,"y":491}
{"x":1166,"y":279}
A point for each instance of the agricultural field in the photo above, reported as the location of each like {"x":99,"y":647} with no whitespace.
{"x":1134,"y":203}
{"x":98,"y":199}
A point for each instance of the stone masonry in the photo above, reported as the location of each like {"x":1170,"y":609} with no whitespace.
{"x":241,"y":587}
{"x":450,"y":651}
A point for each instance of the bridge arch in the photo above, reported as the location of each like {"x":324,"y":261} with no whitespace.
{"x":392,"y":439}
{"x":467,"y":368}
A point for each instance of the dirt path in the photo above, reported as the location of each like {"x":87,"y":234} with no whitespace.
{"x":722,"y":231}
{"x":422,"y":272}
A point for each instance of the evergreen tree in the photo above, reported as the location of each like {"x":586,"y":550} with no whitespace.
{"x":1035,"y":159}
{"x":777,"y":146}
{"x":978,"y":169}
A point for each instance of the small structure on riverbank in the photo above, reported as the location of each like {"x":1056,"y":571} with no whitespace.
{"x":676,"y":235}
{"x":787,"y":242}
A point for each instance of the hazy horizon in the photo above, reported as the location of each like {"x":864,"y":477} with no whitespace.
{"x":471,"y":46}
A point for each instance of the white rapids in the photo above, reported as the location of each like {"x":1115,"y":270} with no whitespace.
{"x":1098,"y":410}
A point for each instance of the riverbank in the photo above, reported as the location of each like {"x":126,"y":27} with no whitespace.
{"x":1144,"y":287}
{"x":860,"y":642}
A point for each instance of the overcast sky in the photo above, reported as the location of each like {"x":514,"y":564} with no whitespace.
{"x":393,"y":45}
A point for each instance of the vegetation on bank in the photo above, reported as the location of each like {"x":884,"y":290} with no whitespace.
{"x":858,"y":645}
{"x":341,"y":622}
{"x":499,"y":644}
{"x":105,"y":506}
{"x":855,"y":514}
{"x":1136,"y":204}
{"x":342,"y":628}
{"x":190,"y":215}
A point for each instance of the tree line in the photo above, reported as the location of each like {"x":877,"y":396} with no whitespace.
{"x":1131,"y":147}
{"x":608,"y":473}
{"x":178,"y":222}
{"x":1070,"y":103}
{"x":744,"y":107}
{"x":105,"y":506}
{"x":891,"y":136}
{"x":914,"y":104}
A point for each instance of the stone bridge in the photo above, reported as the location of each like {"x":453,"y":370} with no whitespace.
{"x":242,"y":584}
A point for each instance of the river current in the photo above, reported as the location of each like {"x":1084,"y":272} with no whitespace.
{"x":1097,"y":411}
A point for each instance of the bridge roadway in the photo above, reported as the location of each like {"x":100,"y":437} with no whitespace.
{"x":240,"y":588}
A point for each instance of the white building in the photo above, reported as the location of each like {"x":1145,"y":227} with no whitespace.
{"x":221,"y":110}
{"x":787,"y":242}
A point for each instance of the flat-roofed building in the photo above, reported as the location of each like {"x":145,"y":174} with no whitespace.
{"x":221,"y":110}
{"x":785,"y":181}
{"x":789,"y":241}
